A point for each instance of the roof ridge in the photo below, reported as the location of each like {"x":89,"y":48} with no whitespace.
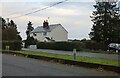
{"x":54,"y":24}
{"x":51,"y":24}
{"x":41,"y":29}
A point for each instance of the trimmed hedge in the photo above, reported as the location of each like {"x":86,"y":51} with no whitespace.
{"x":67,"y":46}
{"x":30,"y":41}
{"x":92,"y":45}
{"x":13,"y":45}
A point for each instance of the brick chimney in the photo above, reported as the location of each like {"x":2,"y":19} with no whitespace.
{"x":46,"y":24}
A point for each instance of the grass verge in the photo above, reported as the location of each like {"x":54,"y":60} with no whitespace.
{"x":102,"y":61}
{"x":100,"y":51}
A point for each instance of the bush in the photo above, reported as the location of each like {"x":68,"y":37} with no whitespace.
{"x":92,"y":45}
{"x":67,"y":46}
{"x":13,"y":45}
{"x":30,"y":41}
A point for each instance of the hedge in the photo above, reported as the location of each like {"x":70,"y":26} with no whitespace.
{"x":92,"y":45}
{"x":30,"y":41}
{"x":13,"y":45}
{"x":67,"y":46}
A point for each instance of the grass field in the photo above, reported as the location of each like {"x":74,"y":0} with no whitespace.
{"x":102,"y":61}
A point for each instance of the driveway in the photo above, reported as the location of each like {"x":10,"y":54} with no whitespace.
{"x":100,"y":55}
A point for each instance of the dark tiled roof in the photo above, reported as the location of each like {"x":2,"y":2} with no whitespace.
{"x":40,"y":29}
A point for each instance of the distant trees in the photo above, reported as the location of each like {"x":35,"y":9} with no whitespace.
{"x":29,"y":29}
{"x":10,"y":35}
{"x":29,"y":40}
{"x":106,"y":23}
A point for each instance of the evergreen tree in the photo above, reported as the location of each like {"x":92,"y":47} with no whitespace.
{"x":12,"y":24}
{"x":10,"y":35}
{"x":2,"y":23}
{"x":29,"y":29}
{"x":106,"y":23}
{"x":29,"y":40}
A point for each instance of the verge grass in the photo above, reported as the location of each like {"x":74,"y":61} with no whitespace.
{"x":100,"y":51}
{"x":113,"y":62}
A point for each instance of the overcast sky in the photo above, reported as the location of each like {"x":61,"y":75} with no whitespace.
{"x":74,"y":15}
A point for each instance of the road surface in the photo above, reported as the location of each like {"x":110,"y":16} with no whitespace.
{"x":21,"y":66}
{"x":100,"y":55}
{"x":0,"y":64}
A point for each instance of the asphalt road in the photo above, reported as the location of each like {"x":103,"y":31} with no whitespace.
{"x":21,"y":66}
{"x":100,"y":55}
{"x":0,"y":64}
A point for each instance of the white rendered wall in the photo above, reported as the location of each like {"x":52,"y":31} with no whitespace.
{"x":59,"y":34}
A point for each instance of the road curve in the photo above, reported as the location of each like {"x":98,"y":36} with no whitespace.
{"x":21,"y":66}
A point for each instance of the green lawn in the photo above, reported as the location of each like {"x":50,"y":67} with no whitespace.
{"x":103,"y":61}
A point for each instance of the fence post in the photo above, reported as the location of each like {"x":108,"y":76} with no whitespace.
{"x":7,"y":48}
{"x":74,"y":54}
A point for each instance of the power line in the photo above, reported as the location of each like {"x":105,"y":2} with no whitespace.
{"x":40,"y":9}
{"x":20,"y":12}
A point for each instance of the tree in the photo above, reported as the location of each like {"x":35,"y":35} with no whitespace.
{"x":12,"y":24}
{"x":29,"y":40}
{"x":10,"y":35}
{"x":106,"y":23}
{"x":2,"y":23}
{"x":29,"y":29}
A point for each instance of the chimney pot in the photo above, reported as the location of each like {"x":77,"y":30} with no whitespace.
{"x":45,"y":24}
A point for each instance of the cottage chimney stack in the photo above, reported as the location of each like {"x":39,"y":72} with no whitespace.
{"x":46,"y":24}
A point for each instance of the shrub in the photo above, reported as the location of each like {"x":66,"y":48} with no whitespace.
{"x":67,"y":46}
{"x":92,"y":45}
{"x":13,"y":45}
{"x":30,"y":41}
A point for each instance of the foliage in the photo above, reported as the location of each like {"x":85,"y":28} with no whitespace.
{"x":10,"y":35}
{"x":68,"y":46}
{"x":30,"y":41}
{"x":93,"y":45}
{"x":106,"y":23}
{"x":29,"y":29}
{"x":15,"y":45}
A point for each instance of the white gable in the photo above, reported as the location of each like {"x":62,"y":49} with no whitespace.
{"x":55,"y":32}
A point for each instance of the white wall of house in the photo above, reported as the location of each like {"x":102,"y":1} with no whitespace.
{"x":57,"y":34}
{"x":39,"y":36}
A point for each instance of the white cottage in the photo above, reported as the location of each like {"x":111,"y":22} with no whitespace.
{"x":47,"y":33}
